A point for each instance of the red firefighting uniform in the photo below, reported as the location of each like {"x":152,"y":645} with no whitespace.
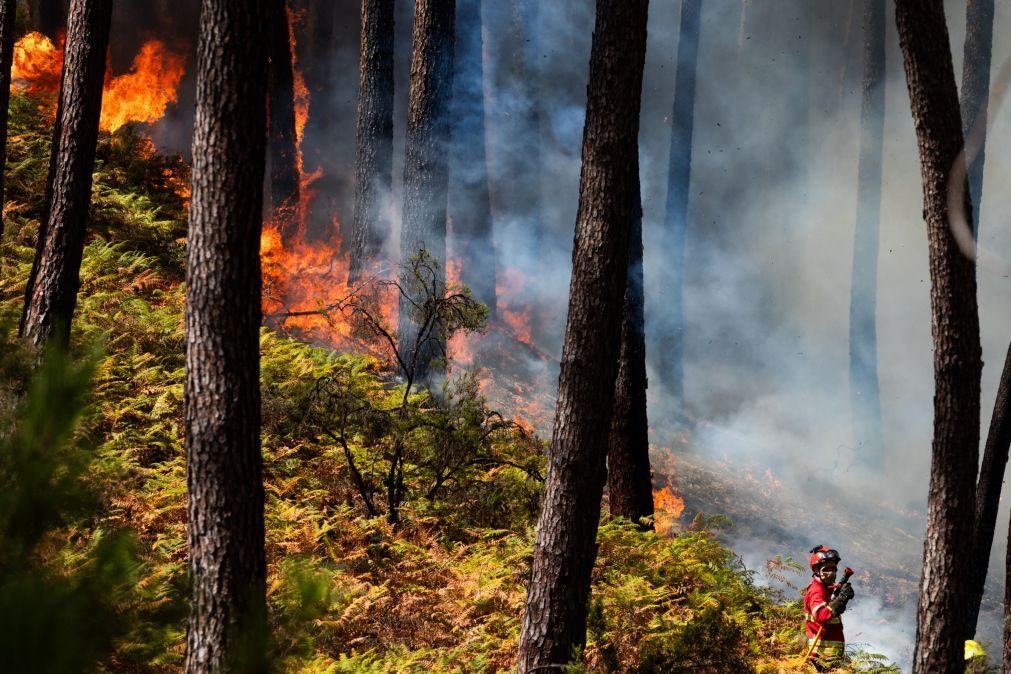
{"x":819,"y":616}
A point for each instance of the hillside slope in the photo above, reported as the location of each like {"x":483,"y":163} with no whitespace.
{"x":441,"y":592}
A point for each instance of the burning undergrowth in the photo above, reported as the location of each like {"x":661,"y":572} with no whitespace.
{"x":143,"y":94}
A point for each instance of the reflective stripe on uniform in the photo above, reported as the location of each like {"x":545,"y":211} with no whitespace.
{"x":826,"y":649}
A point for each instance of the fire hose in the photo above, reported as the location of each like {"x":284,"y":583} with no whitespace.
{"x":847,"y":573}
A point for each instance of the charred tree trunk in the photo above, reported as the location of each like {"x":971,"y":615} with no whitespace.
{"x":8,"y":10}
{"x":426,"y":166}
{"x":284,"y":176}
{"x":374,"y":149}
{"x":49,"y":17}
{"x":629,"y":483}
{"x":865,"y":398}
{"x":227,"y":622}
{"x":470,"y":203}
{"x":976,"y":94}
{"x":554,"y":621}
{"x":991,"y":478}
{"x":52,"y":292}
{"x":923,"y":36}
{"x":670,"y":351}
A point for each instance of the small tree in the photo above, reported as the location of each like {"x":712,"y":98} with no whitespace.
{"x":446,"y":436}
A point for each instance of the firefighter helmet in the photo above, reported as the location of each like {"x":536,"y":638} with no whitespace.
{"x":822,"y":555}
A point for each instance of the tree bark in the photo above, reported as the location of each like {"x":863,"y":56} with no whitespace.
{"x":49,"y":17}
{"x":554,"y":621}
{"x":865,"y":398}
{"x":8,"y":12}
{"x":426,"y":166}
{"x":629,"y":483}
{"x":988,"y":488}
{"x":284,"y":174}
{"x":52,"y":292}
{"x":470,"y":202}
{"x":976,"y":94}
{"x":670,"y":351}
{"x":374,"y":130}
{"x":1006,"y":636}
{"x":226,"y":630}
{"x":930,"y":77}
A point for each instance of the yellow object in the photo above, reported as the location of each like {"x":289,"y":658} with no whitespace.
{"x":814,"y":643}
{"x":973,"y":649}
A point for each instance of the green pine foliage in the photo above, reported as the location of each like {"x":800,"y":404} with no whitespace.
{"x":93,"y":504}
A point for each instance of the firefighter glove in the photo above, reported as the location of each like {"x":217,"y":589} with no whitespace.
{"x":838,"y":604}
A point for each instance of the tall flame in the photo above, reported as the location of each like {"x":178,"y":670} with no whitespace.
{"x":37,"y":63}
{"x":668,"y":507}
{"x":144,"y":93}
{"x":141,"y":95}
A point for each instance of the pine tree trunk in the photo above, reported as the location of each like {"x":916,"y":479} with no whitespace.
{"x":629,"y":483}
{"x":923,"y":36}
{"x":988,"y":488}
{"x":554,"y":621}
{"x":8,"y":12}
{"x":865,"y":399}
{"x":670,"y":347}
{"x":426,"y":166}
{"x":284,"y":176}
{"x":1006,"y":636}
{"x":470,"y":203}
{"x":374,"y":149}
{"x":49,"y":17}
{"x":53,"y":288}
{"x":226,"y":630}
{"x":976,"y":94}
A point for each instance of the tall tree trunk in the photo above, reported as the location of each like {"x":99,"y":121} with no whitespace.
{"x":670,"y":348}
{"x":976,"y":94}
{"x":1006,"y":636}
{"x":865,"y":399}
{"x":426,"y":166}
{"x":226,"y":630}
{"x":923,"y":36}
{"x":554,"y":621}
{"x":284,"y":176}
{"x":8,"y":10}
{"x":629,"y":483}
{"x":991,"y":477}
{"x":470,"y":203}
{"x":374,"y":149}
{"x":52,"y":294}
{"x":49,"y":17}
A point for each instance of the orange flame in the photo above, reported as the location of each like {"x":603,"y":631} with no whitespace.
{"x":144,"y":93}
{"x":302,"y":99}
{"x":141,"y":95}
{"x":514,"y":314}
{"x":306,"y":288}
{"x":37,"y":63}
{"x":668,"y":507}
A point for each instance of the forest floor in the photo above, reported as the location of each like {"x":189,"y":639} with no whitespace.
{"x":441,"y":592}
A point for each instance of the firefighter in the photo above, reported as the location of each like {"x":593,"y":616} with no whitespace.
{"x":824,"y":603}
